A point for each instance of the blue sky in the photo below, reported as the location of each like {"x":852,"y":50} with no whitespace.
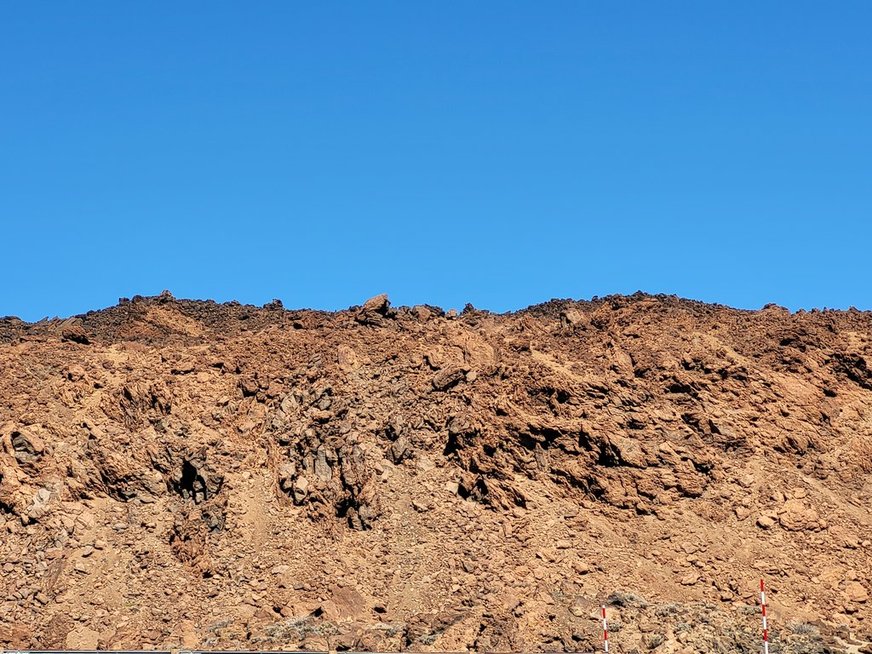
{"x":498,"y":153}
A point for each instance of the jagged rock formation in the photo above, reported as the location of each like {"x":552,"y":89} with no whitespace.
{"x":181,"y":473}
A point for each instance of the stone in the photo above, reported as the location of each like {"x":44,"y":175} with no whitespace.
{"x":27,"y":445}
{"x":628,"y":450}
{"x":582,"y":567}
{"x":855,"y":592}
{"x":574,"y":318}
{"x":375,"y":310}
{"x":286,"y":474}
{"x":421,"y":312}
{"x":75,"y":334}
{"x":765,"y":521}
{"x":796,"y":516}
{"x":74,"y":373}
{"x":399,"y":450}
{"x":347,"y":358}
{"x":378,"y":303}
{"x":344,"y":603}
{"x":85,"y":521}
{"x":424,"y":463}
{"x":300,"y":490}
{"x":322,"y":468}
{"x":82,"y":637}
{"x":39,"y":506}
{"x":448,"y":377}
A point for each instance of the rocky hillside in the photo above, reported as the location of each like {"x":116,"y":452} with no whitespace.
{"x":188,"y":474}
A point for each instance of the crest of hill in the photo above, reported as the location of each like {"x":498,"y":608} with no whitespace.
{"x":221,"y":319}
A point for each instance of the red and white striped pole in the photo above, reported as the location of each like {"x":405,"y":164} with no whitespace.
{"x":605,"y":632}
{"x":765,"y":624}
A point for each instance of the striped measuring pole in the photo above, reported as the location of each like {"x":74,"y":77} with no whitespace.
{"x":605,"y":631}
{"x":765,"y":623}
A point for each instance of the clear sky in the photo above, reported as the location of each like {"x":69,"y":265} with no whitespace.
{"x":499,"y":153}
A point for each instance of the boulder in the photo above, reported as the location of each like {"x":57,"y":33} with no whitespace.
{"x":348,"y":359}
{"x":82,"y":637}
{"x":796,"y":516}
{"x":855,"y":592}
{"x":574,"y":318}
{"x":375,"y":310}
{"x":378,"y":304}
{"x":448,"y":377}
{"x":27,"y":445}
{"x":75,"y":333}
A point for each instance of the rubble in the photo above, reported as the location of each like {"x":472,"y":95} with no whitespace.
{"x":183,"y":474}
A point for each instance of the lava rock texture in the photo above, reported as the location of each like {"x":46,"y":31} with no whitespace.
{"x":187,"y":474}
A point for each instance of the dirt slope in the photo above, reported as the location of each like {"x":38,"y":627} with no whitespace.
{"x":188,"y":474}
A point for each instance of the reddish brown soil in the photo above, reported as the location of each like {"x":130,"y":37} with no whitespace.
{"x":188,"y":474}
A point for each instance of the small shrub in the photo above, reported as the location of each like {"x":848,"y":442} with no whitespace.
{"x":653,"y":641}
{"x":796,"y":627}
{"x":665,"y":610}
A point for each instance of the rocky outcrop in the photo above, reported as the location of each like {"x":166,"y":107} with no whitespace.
{"x":186,"y":474}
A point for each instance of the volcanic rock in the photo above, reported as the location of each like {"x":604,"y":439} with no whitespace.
{"x":225,"y":476}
